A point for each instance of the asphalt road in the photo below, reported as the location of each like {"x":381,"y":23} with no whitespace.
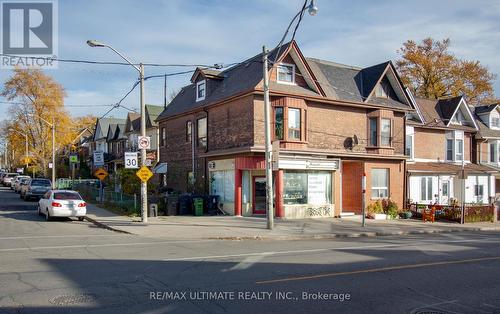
{"x":69,"y":266}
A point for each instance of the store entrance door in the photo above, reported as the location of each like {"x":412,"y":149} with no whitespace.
{"x":259,"y":195}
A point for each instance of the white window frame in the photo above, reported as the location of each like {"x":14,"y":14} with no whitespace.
{"x":198,"y":84}
{"x":378,"y":188}
{"x":410,"y":132}
{"x":457,"y":138}
{"x":278,"y":73}
{"x":428,"y":182}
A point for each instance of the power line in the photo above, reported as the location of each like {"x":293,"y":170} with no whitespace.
{"x":217,"y":66}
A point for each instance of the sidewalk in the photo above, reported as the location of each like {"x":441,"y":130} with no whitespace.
{"x":243,"y":228}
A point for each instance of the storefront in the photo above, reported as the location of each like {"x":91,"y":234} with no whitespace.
{"x":304,"y":187}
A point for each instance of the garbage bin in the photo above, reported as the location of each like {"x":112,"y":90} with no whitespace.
{"x":185,"y":204}
{"x":153,"y":210}
{"x":198,"y":206}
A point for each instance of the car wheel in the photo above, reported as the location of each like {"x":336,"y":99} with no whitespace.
{"x":47,"y":214}
{"x":80,"y":218}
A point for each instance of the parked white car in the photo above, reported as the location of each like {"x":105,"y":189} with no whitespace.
{"x":62,"y":203}
{"x":7,"y":179}
{"x":14,"y":185}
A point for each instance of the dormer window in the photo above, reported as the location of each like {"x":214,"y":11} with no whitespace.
{"x":495,"y":122}
{"x":201,"y":90}
{"x":384,"y":89}
{"x":286,"y":73}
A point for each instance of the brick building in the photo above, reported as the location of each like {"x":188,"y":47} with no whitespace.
{"x":333,"y":122}
{"x":440,"y":141}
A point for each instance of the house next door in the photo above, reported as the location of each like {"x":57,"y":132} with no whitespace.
{"x":259,"y":195}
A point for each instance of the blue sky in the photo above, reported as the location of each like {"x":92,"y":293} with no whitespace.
{"x":360,"y":33}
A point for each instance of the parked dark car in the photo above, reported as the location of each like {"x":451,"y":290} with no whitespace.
{"x":35,"y":188}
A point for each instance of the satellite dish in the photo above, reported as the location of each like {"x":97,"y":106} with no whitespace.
{"x":355,"y":139}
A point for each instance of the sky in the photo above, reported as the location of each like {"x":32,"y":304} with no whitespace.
{"x":356,"y":32}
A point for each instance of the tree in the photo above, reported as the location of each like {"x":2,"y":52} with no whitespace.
{"x":431,"y":71}
{"x":38,"y":97}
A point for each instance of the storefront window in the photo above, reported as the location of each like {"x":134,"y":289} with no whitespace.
{"x":222,"y":184}
{"x":311,"y":187}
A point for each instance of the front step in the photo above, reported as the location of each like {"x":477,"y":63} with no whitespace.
{"x":346,"y":214}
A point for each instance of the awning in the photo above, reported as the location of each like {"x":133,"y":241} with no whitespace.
{"x":160,"y":168}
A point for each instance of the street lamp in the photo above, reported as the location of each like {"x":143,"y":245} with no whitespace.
{"x":313,"y":9}
{"x":140,"y":69}
{"x":26,"y":142}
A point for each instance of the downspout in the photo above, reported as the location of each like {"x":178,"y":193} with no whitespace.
{"x":205,"y":159}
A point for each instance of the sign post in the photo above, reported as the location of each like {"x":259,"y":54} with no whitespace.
{"x":363,"y":202}
{"x":101,"y":174}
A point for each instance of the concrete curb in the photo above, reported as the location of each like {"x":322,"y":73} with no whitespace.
{"x":104,"y":226}
{"x":350,"y":235}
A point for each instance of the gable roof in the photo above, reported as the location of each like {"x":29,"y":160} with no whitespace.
{"x":111,"y":132}
{"x":439,"y":112}
{"x":324,"y":78}
{"x":485,"y":109}
{"x":102,"y":125}
{"x":133,"y":122}
{"x":152,"y":113}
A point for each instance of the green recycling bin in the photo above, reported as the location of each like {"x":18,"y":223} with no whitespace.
{"x":198,"y":206}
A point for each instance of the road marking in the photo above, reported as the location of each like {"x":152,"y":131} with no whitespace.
{"x":61,"y":236}
{"x":380,"y":269}
{"x":271,"y":253}
{"x":98,"y":245}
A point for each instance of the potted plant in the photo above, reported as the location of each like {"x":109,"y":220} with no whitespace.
{"x":391,"y":209}
{"x":376,"y":211}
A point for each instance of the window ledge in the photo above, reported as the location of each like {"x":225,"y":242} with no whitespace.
{"x":380,"y":147}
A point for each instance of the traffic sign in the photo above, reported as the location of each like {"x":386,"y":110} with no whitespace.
{"x":101,"y":173}
{"x":131,"y":160}
{"x":144,"y":142}
{"x":73,"y":158}
{"x":98,"y":159}
{"x":144,"y":174}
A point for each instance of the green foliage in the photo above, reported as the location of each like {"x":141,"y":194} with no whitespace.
{"x":375,"y":208}
{"x":392,"y":209}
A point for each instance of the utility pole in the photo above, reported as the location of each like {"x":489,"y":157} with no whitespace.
{"x":462,"y":216}
{"x":53,"y":154}
{"x":267,"y":120}
{"x":144,"y":186}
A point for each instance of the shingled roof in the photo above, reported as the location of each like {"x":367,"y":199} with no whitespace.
{"x":438,"y":112}
{"x":339,"y":82}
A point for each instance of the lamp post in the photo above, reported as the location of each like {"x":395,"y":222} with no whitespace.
{"x":140,"y":69}
{"x":26,"y":143}
{"x":313,"y":10}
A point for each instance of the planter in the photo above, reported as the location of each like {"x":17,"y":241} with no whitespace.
{"x":380,"y":216}
{"x":405,"y":215}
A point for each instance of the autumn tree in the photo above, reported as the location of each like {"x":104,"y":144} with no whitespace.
{"x":430,"y":70}
{"x":37,"y":97}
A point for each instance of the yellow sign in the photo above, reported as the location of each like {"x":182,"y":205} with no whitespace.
{"x":144,"y":174}
{"x":101,"y":173}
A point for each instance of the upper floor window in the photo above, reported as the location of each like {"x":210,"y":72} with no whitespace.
{"x":494,"y":152}
{"x":385,"y":132}
{"x":286,"y":73}
{"x":201,"y":89}
{"x":455,"y":146}
{"x":294,"y":123}
{"x":384,"y":89}
{"x":278,"y":123}
{"x":373,"y":132}
{"x":163,"y":137}
{"x":495,"y":122}
{"x":189,"y":131}
{"x":202,"y":132}
{"x":409,"y":142}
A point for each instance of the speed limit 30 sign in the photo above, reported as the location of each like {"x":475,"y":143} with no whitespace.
{"x":131,"y":160}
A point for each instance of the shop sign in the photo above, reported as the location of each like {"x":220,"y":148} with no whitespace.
{"x":316,"y":186}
